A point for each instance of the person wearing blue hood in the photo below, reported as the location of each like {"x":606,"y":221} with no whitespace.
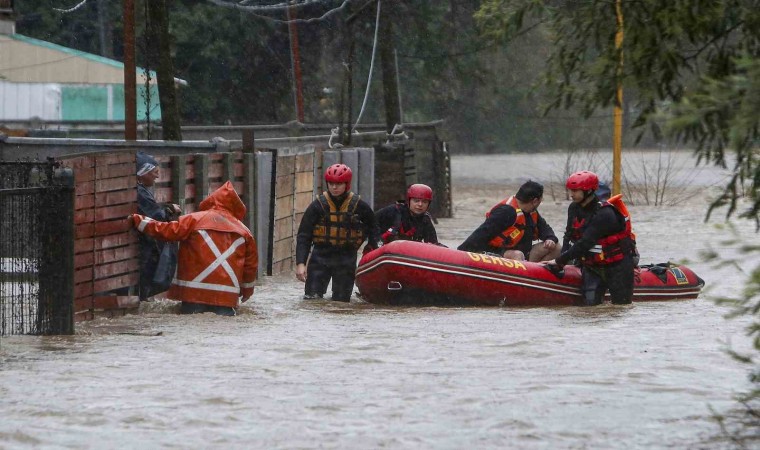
{"x":603,"y":192}
{"x":150,"y":249}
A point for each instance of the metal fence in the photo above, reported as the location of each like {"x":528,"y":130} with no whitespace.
{"x":36,"y":248}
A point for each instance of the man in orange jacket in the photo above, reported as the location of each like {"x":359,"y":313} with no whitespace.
{"x":218,"y":259}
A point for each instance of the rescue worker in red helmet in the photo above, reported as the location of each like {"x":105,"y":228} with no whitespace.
{"x":512,"y":225}
{"x":598,"y":235}
{"x":218,"y":259}
{"x":409,"y":220}
{"x":333,"y":228}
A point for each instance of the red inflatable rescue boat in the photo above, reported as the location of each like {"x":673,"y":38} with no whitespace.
{"x":418,"y":274}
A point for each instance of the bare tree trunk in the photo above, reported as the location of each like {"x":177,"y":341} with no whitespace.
{"x":388,"y":63}
{"x":167,"y":94}
{"x":105,"y":30}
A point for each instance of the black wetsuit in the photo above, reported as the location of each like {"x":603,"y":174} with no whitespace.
{"x":397,"y":222}
{"x":329,"y":261}
{"x":595,"y":223}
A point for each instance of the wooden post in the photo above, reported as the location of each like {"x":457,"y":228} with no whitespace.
{"x":228,"y":167}
{"x":295,"y":62}
{"x":272,"y":204}
{"x":249,"y":141}
{"x":200,"y":178}
{"x":249,"y":190}
{"x":179,"y":180}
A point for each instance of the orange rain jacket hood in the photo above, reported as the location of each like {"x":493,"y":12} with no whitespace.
{"x":218,"y":258}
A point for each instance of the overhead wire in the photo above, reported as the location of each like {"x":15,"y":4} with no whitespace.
{"x":251,"y":10}
{"x":72,"y":9}
{"x":278,"y":6}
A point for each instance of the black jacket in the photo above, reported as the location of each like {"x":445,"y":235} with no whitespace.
{"x":596,"y":223}
{"x":501,"y":218}
{"x":148,"y":206}
{"x":397,"y":222}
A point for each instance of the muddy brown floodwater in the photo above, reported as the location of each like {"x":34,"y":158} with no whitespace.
{"x":289,"y":373}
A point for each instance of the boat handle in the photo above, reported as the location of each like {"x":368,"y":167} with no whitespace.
{"x":394,"y":286}
{"x":556,"y":270}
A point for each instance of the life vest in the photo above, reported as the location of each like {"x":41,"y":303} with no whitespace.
{"x":398,"y":232}
{"x":339,"y":226}
{"x":512,"y":201}
{"x":617,"y":202}
{"x":613,"y":248}
{"x":509,"y":237}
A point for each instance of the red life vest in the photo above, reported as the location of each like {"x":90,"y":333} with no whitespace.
{"x":397,"y":232}
{"x":612,"y":248}
{"x":509,"y":237}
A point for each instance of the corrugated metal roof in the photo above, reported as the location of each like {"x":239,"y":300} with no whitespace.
{"x":28,"y":60}
{"x":71,"y":51}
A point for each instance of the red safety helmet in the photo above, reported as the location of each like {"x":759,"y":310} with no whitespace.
{"x":338,"y":173}
{"x":584,"y":180}
{"x":422,"y":191}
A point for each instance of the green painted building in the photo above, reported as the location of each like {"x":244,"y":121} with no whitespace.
{"x":39,"y":79}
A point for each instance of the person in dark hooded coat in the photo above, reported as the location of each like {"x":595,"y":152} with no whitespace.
{"x":150,"y":248}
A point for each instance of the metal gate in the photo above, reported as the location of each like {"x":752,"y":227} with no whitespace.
{"x":36,"y":248}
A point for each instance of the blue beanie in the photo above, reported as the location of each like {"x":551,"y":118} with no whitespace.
{"x":145,"y":163}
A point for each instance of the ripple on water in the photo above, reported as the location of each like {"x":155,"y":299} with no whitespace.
{"x":19,"y":437}
{"x":297,"y":374}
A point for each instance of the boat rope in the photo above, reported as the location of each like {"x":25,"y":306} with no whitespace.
{"x":371,"y":66}
{"x":333,"y":134}
{"x":397,"y":131}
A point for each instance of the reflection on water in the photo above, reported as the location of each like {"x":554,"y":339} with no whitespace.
{"x":290,"y":373}
{"x":293,"y":373}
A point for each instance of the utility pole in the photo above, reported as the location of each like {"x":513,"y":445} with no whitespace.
{"x":130,"y":73}
{"x":617,"y":134}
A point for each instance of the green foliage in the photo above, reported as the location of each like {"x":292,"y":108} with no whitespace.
{"x":691,"y":65}
{"x":694,"y":60}
{"x":238,"y":67}
{"x":39,"y":19}
{"x":744,"y":425}
{"x":235,"y":65}
{"x":722,"y":114}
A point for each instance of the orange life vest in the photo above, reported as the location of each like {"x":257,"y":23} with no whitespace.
{"x":512,"y":201}
{"x":509,"y":237}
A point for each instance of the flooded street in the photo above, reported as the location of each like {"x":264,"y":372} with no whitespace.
{"x":290,"y":373}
